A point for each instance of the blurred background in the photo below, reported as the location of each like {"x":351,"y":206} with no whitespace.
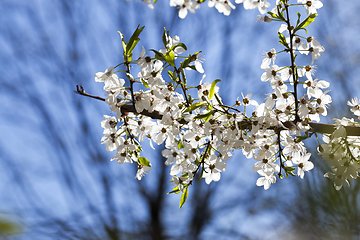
{"x":56,"y":180}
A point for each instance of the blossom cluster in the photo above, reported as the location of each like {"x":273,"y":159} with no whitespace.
{"x":225,"y":6}
{"x":200,"y":133}
{"x":342,"y":151}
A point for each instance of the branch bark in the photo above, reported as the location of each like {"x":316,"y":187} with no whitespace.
{"x":316,"y":127}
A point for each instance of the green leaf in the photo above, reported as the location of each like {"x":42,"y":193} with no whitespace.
{"x":143,"y":161}
{"x":171,"y":75}
{"x":273,"y":15}
{"x":298,"y":20}
{"x":184,"y":196}
{"x":183,"y":75}
{"x":158,"y":55}
{"x":205,"y":116}
{"x":306,"y":22}
{"x":212,"y":88}
{"x":170,"y":58}
{"x":179,"y":45}
{"x":282,"y":40}
{"x":134,"y":39}
{"x":180,"y":145}
{"x":186,"y":62}
{"x":145,"y":83}
{"x":8,"y":228}
{"x":195,"y":106}
{"x":154,"y":1}
{"x":300,"y":138}
{"x":175,"y":190}
{"x":185,"y":175}
{"x":280,"y":13}
{"x":164,"y":37}
{"x":289,"y":170}
{"x":123,"y":42}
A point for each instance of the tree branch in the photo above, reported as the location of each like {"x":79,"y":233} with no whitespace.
{"x":316,"y":127}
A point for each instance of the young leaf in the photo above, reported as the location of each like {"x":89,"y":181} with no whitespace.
{"x":179,"y":45}
{"x":171,"y":75}
{"x":301,"y":138}
{"x":123,"y":42}
{"x":170,"y":58}
{"x":282,"y":40}
{"x":184,"y":196}
{"x":134,"y":39}
{"x":186,"y":62}
{"x":205,"y":116}
{"x":298,"y":20}
{"x":280,"y":13}
{"x":273,"y":15}
{"x":175,"y":190}
{"x":144,"y":161}
{"x":195,"y":106}
{"x":306,"y":22}
{"x":145,"y":83}
{"x":180,"y":145}
{"x":212,"y":88}
{"x":158,"y":55}
{"x":164,"y":37}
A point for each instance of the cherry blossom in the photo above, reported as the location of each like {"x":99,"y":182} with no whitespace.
{"x":201,"y":133}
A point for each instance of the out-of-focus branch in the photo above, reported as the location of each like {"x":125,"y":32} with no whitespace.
{"x":316,"y":127}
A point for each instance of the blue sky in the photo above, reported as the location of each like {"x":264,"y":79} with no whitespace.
{"x":50,"y":135}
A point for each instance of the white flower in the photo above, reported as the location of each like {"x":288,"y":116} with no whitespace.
{"x":355,"y":104}
{"x":104,"y":76}
{"x":316,"y":49}
{"x":148,"y":2}
{"x":173,"y":154}
{"x":143,"y":101}
{"x":271,"y":74}
{"x":303,"y":164}
{"x":112,"y":141}
{"x":124,"y":153}
{"x":262,"y":5}
{"x":198,"y":64}
{"x":142,"y":171}
{"x":173,"y":41}
{"x":212,"y":172}
{"x":246,"y":100}
{"x":269,"y":57}
{"x":266,"y":165}
{"x":311,"y":5}
{"x":109,"y":124}
{"x":322,"y":102}
{"x":266,"y":180}
{"x":337,"y":178}
{"x":314,"y":87}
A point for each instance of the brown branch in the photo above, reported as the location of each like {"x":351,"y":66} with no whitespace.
{"x":124,"y":108}
{"x":316,"y":127}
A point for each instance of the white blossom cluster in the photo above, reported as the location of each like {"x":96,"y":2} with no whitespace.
{"x":225,"y":6}
{"x":222,"y":6}
{"x":200,"y":133}
{"x":342,"y":151}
